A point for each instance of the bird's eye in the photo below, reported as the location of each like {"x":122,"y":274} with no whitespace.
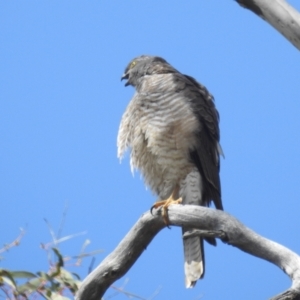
{"x":132,"y":64}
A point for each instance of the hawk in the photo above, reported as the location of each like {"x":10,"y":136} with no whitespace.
{"x":171,"y":126}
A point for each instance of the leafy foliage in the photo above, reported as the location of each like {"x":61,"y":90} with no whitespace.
{"x":56,"y":284}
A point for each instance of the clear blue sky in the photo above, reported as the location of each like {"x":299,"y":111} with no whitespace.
{"x":61,"y":104}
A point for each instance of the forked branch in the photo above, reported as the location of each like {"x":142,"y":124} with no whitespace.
{"x":211,"y":223}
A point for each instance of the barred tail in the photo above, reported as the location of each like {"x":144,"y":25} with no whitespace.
{"x":193,"y":259}
{"x":191,"y":192}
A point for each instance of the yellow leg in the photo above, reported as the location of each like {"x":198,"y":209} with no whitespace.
{"x":164,"y":204}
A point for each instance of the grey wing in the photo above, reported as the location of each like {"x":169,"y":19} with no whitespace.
{"x":206,"y":154}
{"x":202,"y":185}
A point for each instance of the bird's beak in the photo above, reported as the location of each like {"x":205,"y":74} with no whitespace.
{"x":125,"y":76}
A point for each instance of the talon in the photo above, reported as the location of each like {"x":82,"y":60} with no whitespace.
{"x":151,"y":209}
{"x":164,"y":204}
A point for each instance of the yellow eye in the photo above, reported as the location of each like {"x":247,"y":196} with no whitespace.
{"x":132,"y":64}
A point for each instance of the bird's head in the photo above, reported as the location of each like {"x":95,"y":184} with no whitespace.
{"x":139,"y":67}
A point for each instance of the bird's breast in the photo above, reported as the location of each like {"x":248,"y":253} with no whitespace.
{"x":168,"y":123}
{"x":167,"y":129}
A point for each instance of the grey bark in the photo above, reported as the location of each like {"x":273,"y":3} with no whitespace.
{"x":210,"y":222}
{"x":279,"y":14}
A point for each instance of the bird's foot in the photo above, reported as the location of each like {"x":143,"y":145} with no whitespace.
{"x":164,"y":204}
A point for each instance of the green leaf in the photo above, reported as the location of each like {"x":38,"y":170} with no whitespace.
{"x":55,"y":296}
{"x":22,"y":274}
{"x":59,"y":256}
{"x":30,"y":286}
{"x":48,"y":293}
{"x":44,"y":276}
{"x":66,"y":279}
{"x":66,"y":274}
{"x":76,"y":275}
{"x":7,"y":278}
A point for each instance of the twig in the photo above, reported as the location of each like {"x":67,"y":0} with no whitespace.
{"x":14,"y":243}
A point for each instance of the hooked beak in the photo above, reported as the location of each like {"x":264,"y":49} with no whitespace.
{"x":125,"y":76}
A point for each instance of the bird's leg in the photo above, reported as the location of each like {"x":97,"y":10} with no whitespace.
{"x":164,"y":204}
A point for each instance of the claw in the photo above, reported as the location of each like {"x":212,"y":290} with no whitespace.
{"x":164,"y":204}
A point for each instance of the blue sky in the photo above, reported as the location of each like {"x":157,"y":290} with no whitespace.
{"x":61,"y":104}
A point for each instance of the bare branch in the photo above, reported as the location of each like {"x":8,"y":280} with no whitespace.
{"x":215,"y":222}
{"x":279,"y":14}
{"x":14,"y":243}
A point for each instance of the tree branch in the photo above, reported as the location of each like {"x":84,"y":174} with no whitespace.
{"x":279,"y":14}
{"x":215,"y":222}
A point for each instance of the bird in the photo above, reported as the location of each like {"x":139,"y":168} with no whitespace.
{"x":171,"y":126}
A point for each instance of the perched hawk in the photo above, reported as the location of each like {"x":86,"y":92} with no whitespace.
{"x":171,"y":126}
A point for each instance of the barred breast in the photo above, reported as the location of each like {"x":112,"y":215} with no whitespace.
{"x":159,"y":127}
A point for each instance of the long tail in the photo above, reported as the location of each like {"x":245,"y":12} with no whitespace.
{"x":191,"y":193}
{"x":193,"y":259}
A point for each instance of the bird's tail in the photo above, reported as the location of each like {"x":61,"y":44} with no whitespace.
{"x":193,"y":259}
{"x":191,"y":193}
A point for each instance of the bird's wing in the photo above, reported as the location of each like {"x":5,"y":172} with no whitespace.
{"x":202,"y":184}
{"x":206,"y":151}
